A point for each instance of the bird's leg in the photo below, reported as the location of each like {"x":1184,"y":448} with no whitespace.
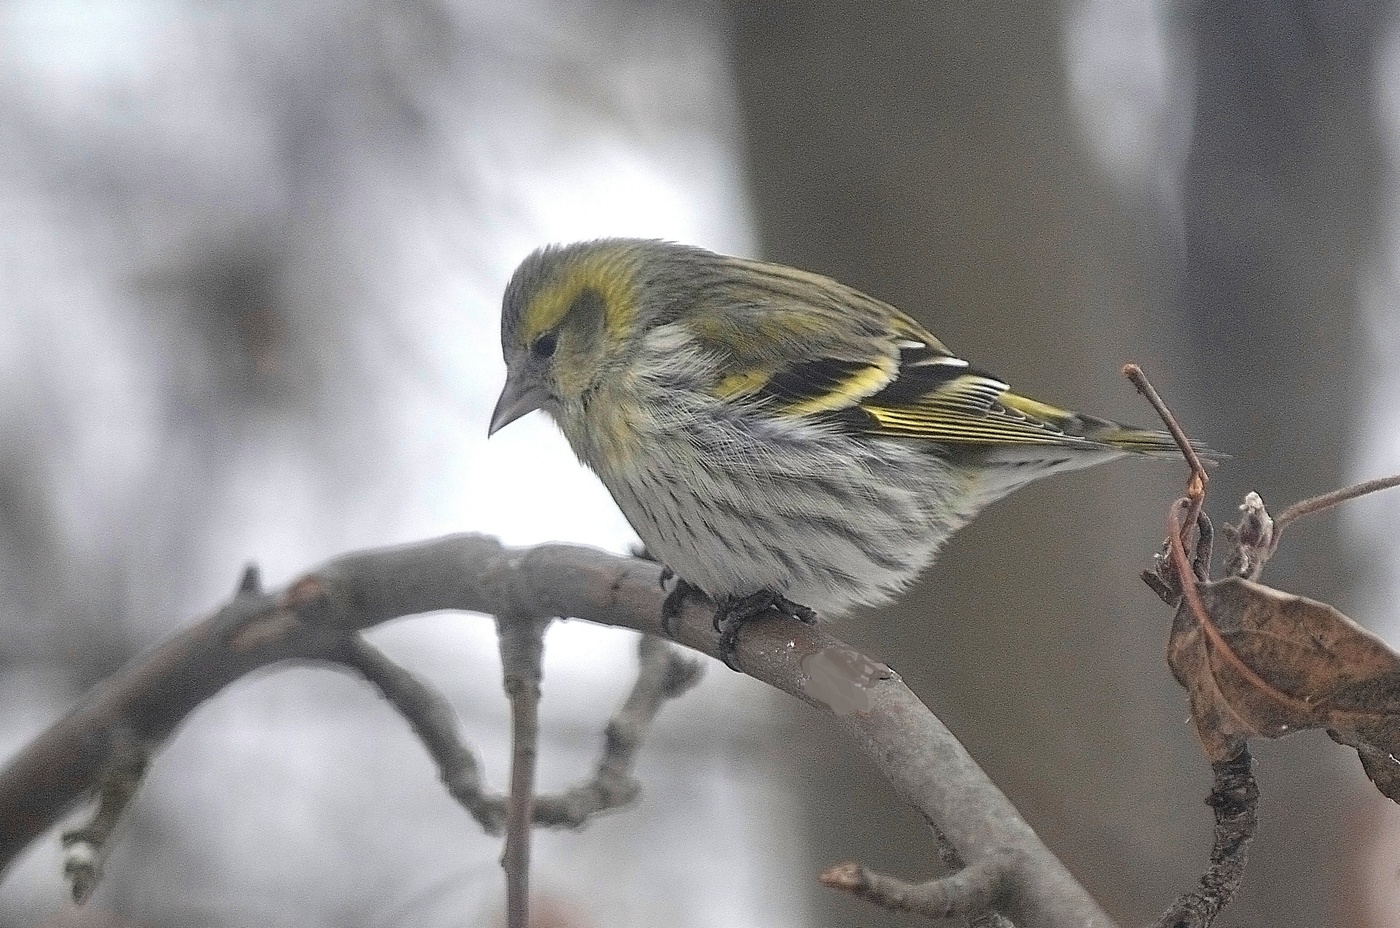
{"x":733,"y":611}
{"x":674,"y":602}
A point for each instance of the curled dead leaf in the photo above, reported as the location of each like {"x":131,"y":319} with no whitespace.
{"x":1264,"y":662}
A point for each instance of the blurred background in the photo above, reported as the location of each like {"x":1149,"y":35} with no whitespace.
{"x":250,"y":264}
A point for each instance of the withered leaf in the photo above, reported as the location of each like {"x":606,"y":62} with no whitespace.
{"x":1269,"y":663}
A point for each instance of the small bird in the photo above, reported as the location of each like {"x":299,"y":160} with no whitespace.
{"x":777,"y":439}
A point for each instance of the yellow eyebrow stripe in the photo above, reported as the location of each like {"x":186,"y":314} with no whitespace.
{"x":610,"y":275}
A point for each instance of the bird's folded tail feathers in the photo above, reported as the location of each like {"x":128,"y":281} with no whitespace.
{"x":1127,"y":438}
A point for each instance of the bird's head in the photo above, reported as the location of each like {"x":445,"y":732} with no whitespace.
{"x":573,"y":316}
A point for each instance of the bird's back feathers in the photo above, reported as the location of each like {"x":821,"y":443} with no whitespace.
{"x":877,"y":372}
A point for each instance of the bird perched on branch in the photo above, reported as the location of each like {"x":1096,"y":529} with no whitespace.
{"x":777,"y":439}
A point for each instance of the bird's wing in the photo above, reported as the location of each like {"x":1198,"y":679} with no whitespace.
{"x":902,"y":382}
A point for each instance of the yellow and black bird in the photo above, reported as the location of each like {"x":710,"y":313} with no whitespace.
{"x":776,"y":438}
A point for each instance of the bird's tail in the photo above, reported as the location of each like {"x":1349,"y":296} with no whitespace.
{"x":1112,"y":435}
{"x":1151,"y":442}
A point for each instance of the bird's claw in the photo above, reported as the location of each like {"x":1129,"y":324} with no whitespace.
{"x":734,"y":611}
{"x":674,"y":602}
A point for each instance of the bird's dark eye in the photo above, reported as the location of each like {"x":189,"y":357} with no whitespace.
{"x":543,"y":347}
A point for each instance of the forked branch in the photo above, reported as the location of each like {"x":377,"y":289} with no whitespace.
{"x":320,"y":612}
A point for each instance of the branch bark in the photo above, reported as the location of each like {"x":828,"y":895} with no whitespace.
{"x":314,"y":617}
{"x":522,"y":663}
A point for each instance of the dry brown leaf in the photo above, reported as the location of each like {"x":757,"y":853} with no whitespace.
{"x":1269,"y":663}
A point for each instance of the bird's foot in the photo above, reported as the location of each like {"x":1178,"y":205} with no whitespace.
{"x":734,"y":611}
{"x":674,"y":602}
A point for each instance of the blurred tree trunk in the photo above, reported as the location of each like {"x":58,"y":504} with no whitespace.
{"x":928,"y":154}
{"x":1279,"y":198}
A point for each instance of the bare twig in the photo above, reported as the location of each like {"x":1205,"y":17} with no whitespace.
{"x":250,"y":581}
{"x":662,"y":674}
{"x":927,"y":766}
{"x":1235,"y":799}
{"x":88,"y":845}
{"x":1256,"y":538}
{"x":1235,"y":793}
{"x":972,"y":892}
{"x":1162,"y":582}
{"x":521,"y":639}
{"x":951,"y":861}
{"x":1306,"y":506}
{"x":1196,"y":489}
{"x":1185,"y":570}
{"x":433,"y":721}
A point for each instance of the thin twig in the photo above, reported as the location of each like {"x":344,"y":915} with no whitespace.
{"x":1164,"y":585}
{"x":1235,"y":793}
{"x":87,"y":846}
{"x":1205,"y":541}
{"x":1317,"y":503}
{"x":663,"y":673}
{"x":1196,"y":489}
{"x":522,"y":662}
{"x":1176,"y":528}
{"x":1256,"y":538}
{"x":1235,"y":799}
{"x":972,"y":892}
{"x":430,"y":716}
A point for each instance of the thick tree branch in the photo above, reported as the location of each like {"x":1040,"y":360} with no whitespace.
{"x":314,"y":617}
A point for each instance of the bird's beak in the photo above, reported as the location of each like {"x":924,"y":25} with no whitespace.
{"x":517,"y":399}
